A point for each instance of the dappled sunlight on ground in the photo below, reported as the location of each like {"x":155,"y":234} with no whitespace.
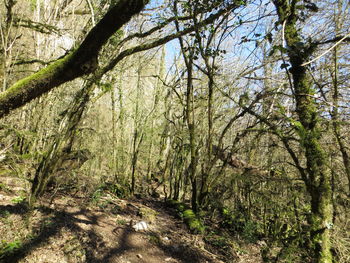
{"x":71,"y":229}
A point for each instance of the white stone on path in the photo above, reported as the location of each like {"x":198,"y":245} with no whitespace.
{"x":140,"y":226}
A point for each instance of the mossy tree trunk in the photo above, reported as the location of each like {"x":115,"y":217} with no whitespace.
{"x":79,"y":62}
{"x":191,"y":130}
{"x":318,"y":176}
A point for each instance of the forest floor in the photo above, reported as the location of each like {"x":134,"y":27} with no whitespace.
{"x":73,"y":228}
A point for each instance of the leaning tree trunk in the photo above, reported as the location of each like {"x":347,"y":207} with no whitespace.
{"x":318,"y":177}
{"x":77,"y":63}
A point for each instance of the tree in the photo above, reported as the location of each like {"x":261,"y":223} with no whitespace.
{"x":79,"y":62}
{"x":318,"y":175}
{"x":254,"y":137}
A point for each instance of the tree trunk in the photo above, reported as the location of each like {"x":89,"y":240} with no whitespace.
{"x":318,"y":180}
{"x":189,"y":113}
{"x":335,"y":112}
{"x":191,"y":130}
{"x":79,"y":62}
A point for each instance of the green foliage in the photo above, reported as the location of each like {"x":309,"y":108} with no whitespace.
{"x":9,"y":248}
{"x":287,"y":253}
{"x":33,"y":4}
{"x":224,"y":243}
{"x":148,"y":214}
{"x":298,"y":127}
{"x":97,"y":195}
{"x":250,"y":231}
{"x":4,"y":214}
{"x":118,"y":190}
{"x":192,"y":221}
{"x":121,"y":222}
{"x":115,"y":39}
{"x":180,"y":207}
{"x":4,"y":187}
{"x":290,"y":254}
{"x":233,"y":221}
{"x":18,"y":199}
{"x":280,"y":48}
{"x":74,"y":250}
{"x":187,"y":214}
{"x":155,"y":239}
{"x":218,"y":241}
{"x":113,"y":188}
{"x":236,"y":222}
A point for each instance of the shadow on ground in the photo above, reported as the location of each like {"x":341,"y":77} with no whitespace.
{"x":97,"y":248}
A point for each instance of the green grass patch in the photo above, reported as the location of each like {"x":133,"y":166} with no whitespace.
{"x":18,"y":199}
{"x":9,"y":248}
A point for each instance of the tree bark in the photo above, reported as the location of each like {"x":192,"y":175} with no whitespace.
{"x":77,"y":63}
{"x":189,"y":113}
{"x":318,"y":180}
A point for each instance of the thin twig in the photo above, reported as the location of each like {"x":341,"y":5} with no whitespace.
{"x":324,"y":53}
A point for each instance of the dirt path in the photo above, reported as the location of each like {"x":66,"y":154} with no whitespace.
{"x":69,"y":230}
{"x":73,"y":229}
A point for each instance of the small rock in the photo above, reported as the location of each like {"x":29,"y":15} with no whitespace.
{"x":168,"y":259}
{"x":166,"y":238}
{"x":140,"y":226}
{"x":139,"y":255}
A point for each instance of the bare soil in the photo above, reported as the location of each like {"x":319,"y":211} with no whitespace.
{"x":73,"y":229}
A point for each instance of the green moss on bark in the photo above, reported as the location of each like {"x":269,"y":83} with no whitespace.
{"x":189,"y":217}
{"x":318,"y":179}
{"x":26,"y":89}
{"x":82,"y":61}
{"x":194,"y":224}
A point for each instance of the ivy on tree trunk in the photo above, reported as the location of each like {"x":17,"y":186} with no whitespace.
{"x":318,"y":179}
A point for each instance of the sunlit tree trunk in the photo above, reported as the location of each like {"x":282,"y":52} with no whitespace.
{"x":137,"y":130}
{"x":189,"y":113}
{"x":335,"y":112}
{"x":318,"y":179}
{"x":114,"y":135}
{"x":121,"y":120}
{"x":7,"y":39}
